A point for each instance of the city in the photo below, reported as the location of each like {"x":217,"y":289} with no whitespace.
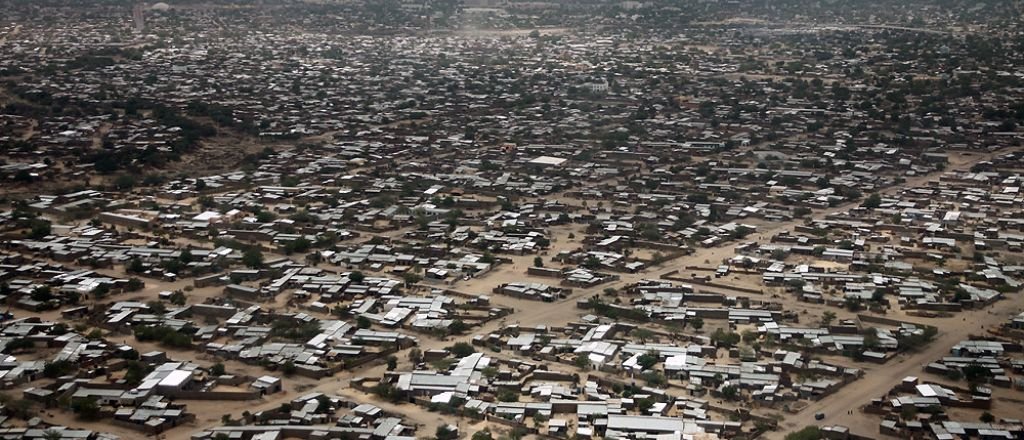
{"x":505,"y":219}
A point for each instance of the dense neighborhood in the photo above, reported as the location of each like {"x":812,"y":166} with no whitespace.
{"x":500,"y":219}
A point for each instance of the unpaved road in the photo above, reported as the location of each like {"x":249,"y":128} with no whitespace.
{"x":528,"y":313}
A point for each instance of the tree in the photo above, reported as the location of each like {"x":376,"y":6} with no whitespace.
{"x":654,"y":378}
{"x":23,"y":176}
{"x":392,"y":363}
{"x":356,"y":277}
{"x":135,"y":372}
{"x":156,"y":307}
{"x":748,"y":336}
{"x":648,"y":360}
{"x":124,"y":181}
{"x":58,"y":368}
{"x":644,"y":404}
{"x":42,"y":294}
{"x":39,"y":228}
{"x":87,"y":409}
{"x":976,"y":373}
{"x":483,"y":435}
{"x":730,"y":392}
{"x":20,"y":408}
{"x":723,"y":338}
{"x":697,"y":323}
{"x":411,"y":278}
{"x":591,"y":262}
{"x":490,"y":372}
{"x":987,"y":417}
{"x":20,"y":344}
{"x":808,"y":433}
{"x":415,"y":356}
{"x":853,"y":304}
{"x":461,"y":349}
{"x":52,"y":434}
{"x":508,"y":396}
{"x":643,"y":334}
{"x":363,"y":322}
{"x":908,"y":412}
{"x":457,"y":327}
{"x":252,"y":257}
{"x":300,"y":244}
{"x":827,"y":318}
{"x":135,"y":284}
{"x":135,"y":266}
{"x":538,"y":261}
{"x":582,"y":361}
{"x":444,"y":432}
{"x":289,"y":368}
{"x":871,"y":339}
{"x":217,"y":369}
{"x":873,"y":201}
{"x":177,"y":298}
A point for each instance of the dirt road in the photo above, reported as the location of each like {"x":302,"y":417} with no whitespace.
{"x":878,"y":380}
{"x":529,"y":313}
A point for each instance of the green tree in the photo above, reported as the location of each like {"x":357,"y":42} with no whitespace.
{"x":908,"y":412}
{"x":457,"y":327}
{"x":39,"y":228}
{"x":177,"y":298}
{"x":697,"y":323}
{"x":582,"y":361}
{"x":808,"y":433}
{"x":748,"y":336}
{"x":508,"y":396}
{"x":217,"y":369}
{"x":87,"y":409}
{"x":252,"y":257}
{"x":445,"y":433}
{"x":873,"y":201}
{"x":976,"y":373}
{"x":730,"y":392}
{"x":461,"y":349}
{"x":643,"y":334}
{"x":483,"y":435}
{"x":356,"y":277}
{"x":135,"y":266}
{"x":411,"y":278}
{"x":415,"y":356}
{"x":827,"y":318}
{"x":648,"y":360}
{"x":135,"y":284}
{"x":289,"y":368}
{"x":58,"y":368}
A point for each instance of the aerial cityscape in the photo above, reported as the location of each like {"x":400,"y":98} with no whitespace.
{"x":512,"y":219}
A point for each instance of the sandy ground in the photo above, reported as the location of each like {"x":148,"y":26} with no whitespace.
{"x":527,"y":313}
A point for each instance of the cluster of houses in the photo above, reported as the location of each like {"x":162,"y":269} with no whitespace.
{"x":324,"y":188}
{"x":524,"y":393}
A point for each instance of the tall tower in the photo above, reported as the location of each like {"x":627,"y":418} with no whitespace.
{"x":138,"y":18}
